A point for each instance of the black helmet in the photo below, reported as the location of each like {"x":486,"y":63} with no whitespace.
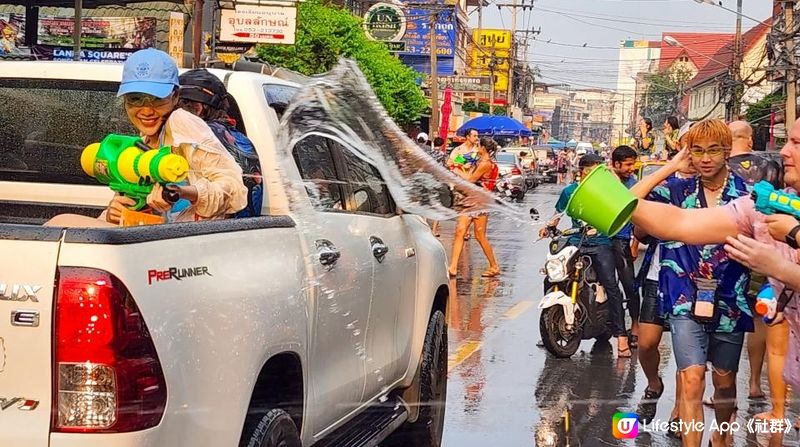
{"x":202,"y":86}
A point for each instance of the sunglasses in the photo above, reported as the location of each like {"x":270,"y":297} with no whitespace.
{"x":145,"y":100}
{"x":714,"y":151}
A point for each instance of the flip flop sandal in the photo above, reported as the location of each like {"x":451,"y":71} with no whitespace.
{"x":620,"y":351}
{"x":489,"y":273}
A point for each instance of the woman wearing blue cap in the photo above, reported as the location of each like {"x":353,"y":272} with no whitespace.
{"x":215,"y":188}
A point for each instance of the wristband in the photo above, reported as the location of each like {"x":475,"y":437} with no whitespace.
{"x":791,"y":238}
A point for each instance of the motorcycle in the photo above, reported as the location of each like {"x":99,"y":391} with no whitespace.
{"x":574,"y":306}
{"x":509,"y":190}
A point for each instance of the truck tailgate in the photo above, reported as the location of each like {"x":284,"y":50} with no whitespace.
{"x":27,"y":278}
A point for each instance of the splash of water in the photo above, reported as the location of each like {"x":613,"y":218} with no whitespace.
{"x":341,"y":106}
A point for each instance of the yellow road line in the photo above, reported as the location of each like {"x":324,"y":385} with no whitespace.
{"x":518,"y":309}
{"x":463,"y":353}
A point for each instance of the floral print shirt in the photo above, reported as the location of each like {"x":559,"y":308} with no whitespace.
{"x":681,"y":264}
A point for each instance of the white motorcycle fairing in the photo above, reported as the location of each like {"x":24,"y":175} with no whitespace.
{"x":560,"y":298}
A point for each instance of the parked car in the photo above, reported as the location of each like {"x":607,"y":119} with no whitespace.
{"x":321,"y":328}
{"x":527,"y":160}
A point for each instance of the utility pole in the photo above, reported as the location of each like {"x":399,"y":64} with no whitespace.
{"x":512,"y":59}
{"x":197,"y":33}
{"x":492,"y":65}
{"x":736,"y":106}
{"x":791,"y":78}
{"x":434,"y":77}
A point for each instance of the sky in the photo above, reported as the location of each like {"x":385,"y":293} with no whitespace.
{"x":601,"y":25}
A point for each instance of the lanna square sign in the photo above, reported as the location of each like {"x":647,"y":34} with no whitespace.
{"x":259,"y":24}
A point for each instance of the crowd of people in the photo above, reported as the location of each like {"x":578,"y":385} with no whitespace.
{"x":708,"y":252}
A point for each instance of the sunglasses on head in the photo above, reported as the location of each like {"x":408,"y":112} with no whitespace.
{"x":145,"y":100}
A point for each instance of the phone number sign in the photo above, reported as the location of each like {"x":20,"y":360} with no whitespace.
{"x":418,"y":29}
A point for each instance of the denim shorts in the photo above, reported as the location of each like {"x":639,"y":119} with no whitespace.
{"x":693,"y":346}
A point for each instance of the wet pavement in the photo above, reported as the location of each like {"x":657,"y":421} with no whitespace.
{"x":505,"y":391}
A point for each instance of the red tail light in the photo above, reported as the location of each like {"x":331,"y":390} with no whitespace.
{"x":107,"y":375}
{"x":516,"y":171}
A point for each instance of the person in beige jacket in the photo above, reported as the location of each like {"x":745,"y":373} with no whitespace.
{"x":214,"y":189}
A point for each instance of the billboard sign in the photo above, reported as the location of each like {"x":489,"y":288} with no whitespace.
{"x":417,"y":35}
{"x":259,"y":24}
{"x":385,"y":22}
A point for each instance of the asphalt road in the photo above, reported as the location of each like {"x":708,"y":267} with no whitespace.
{"x":505,"y":391}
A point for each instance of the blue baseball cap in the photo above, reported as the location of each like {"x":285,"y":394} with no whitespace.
{"x":149,"y":71}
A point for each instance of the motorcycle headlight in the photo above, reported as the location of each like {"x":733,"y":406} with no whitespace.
{"x":556,"y":269}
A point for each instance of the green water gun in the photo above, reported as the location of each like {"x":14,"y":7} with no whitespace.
{"x":129,"y":167}
{"x":464,"y":159}
{"x":769,"y":200}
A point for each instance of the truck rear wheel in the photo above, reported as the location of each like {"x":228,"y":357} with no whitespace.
{"x":428,"y":429}
{"x":274,"y":429}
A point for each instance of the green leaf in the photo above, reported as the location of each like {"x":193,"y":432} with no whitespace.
{"x":327,"y":33}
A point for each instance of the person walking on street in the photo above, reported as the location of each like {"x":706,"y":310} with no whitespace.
{"x":483,"y":174}
{"x":623,"y":159}
{"x":704,"y":291}
{"x":652,"y":321}
{"x":598,"y":247}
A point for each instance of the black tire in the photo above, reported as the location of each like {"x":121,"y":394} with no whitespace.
{"x":427,"y":430}
{"x":274,"y":429}
{"x":552,"y":327}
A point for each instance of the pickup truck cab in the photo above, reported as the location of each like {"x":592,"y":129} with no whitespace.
{"x":326,"y":328}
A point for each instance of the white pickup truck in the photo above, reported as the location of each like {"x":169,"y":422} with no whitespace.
{"x":250,"y":332}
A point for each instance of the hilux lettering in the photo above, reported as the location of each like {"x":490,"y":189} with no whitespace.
{"x":175,"y":273}
{"x":20,"y":403}
{"x":19,"y":292}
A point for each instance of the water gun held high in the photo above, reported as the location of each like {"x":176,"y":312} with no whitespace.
{"x":769,"y":200}
{"x":131,"y":168}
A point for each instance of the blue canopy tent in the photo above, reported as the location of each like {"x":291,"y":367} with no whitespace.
{"x":555,"y":144}
{"x":495,"y":126}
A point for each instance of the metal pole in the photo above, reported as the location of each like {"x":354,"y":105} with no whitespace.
{"x":480,"y":14}
{"x":197,"y":33}
{"x":791,"y":80}
{"x":511,"y":60}
{"x":76,"y":31}
{"x":737,"y":66}
{"x":434,"y":78}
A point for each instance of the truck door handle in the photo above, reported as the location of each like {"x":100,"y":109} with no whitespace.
{"x":328,"y":253}
{"x":379,"y":249}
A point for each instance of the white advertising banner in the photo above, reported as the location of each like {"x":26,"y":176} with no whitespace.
{"x":259,"y":24}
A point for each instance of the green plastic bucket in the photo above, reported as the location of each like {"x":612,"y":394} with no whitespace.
{"x":602,"y":201}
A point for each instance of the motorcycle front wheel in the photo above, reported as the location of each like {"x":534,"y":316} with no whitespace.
{"x":557,"y":339}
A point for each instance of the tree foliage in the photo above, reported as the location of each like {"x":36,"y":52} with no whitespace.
{"x":483,"y":107}
{"x":759,"y":113}
{"x":326,"y":33}
{"x":663,"y":94}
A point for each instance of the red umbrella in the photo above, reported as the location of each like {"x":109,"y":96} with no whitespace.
{"x":447,"y":107}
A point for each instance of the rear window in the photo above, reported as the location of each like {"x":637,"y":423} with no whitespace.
{"x":506,"y":158}
{"x":45,"y":124}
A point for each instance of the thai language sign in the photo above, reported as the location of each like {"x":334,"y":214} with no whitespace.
{"x":465,"y":83}
{"x":259,"y":24}
{"x":418,"y":29}
{"x":491,"y":56}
